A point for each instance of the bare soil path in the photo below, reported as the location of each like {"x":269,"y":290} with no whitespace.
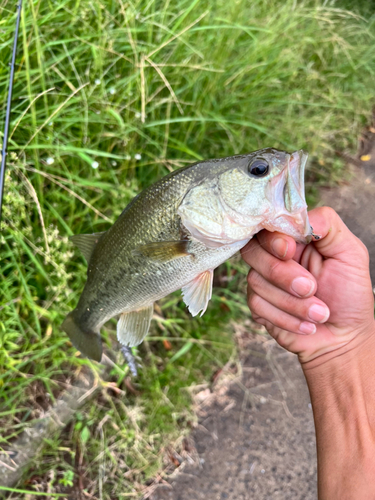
{"x":258,"y":442}
{"x":355,"y":203}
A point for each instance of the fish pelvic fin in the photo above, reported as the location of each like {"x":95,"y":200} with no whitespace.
{"x":198,"y":292}
{"x":86,"y":243}
{"x":89,"y":343}
{"x":132,"y":327}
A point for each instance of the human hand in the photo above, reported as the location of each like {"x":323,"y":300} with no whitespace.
{"x":313,"y":299}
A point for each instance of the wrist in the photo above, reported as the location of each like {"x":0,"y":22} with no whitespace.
{"x":351,"y":352}
{"x":345,"y":375}
{"x":342,"y":390}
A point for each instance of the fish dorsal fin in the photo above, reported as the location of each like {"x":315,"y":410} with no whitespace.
{"x":198,"y":292}
{"x":132,"y":327}
{"x":86,"y":243}
{"x":163,"y":251}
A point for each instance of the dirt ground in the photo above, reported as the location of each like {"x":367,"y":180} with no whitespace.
{"x":355,"y":203}
{"x":257,"y":441}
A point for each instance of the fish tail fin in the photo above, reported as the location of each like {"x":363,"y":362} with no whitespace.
{"x":88,"y":343}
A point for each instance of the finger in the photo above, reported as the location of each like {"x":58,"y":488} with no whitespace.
{"x":280,"y":245}
{"x":262,"y":309}
{"x":300,"y":249}
{"x":311,"y":309}
{"x":336,"y":241}
{"x":282,"y":337}
{"x":288,"y":275}
{"x":312,"y":260}
{"x":291,"y":341}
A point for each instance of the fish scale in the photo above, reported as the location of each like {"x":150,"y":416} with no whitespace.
{"x":173,"y":234}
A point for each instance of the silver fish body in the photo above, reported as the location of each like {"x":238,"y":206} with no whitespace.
{"x":175,"y":233}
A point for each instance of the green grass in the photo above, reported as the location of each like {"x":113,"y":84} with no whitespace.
{"x":173,"y":82}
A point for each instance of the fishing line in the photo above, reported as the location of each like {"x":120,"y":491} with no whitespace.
{"x":8,"y":109}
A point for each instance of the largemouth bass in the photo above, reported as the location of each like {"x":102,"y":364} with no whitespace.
{"x":175,"y":233}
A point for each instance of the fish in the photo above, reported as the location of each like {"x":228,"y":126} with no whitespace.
{"x":174,"y":234}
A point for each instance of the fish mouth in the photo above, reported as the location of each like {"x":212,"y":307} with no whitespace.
{"x":289,"y":197}
{"x":294,"y":194}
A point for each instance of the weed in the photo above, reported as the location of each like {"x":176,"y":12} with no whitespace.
{"x":109,"y":96}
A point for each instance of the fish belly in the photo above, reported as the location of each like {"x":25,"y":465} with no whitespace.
{"x":153,"y":282}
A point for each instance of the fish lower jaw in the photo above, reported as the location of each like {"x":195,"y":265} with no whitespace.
{"x":295,"y":225}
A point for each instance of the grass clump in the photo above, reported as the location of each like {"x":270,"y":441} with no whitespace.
{"x":108,"y":97}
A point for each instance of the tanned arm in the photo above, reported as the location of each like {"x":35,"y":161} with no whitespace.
{"x":317,"y":302}
{"x":342,"y":391}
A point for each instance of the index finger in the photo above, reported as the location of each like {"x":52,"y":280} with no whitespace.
{"x":280,"y":245}
{"x":288,"y":275}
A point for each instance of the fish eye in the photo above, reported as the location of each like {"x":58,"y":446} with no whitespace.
{"x":258,"y":167}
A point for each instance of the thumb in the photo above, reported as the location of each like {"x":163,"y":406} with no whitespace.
{"x":336,"y":240}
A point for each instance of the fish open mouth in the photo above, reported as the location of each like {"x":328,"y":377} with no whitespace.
{"x":294,"y":198}
{"x":289,"y":197}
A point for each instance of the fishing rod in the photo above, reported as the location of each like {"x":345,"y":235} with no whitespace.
{"x":8,"y":109}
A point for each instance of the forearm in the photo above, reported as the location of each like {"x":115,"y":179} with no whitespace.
{"x":342,"y":390}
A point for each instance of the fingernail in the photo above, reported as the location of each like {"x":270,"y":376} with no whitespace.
{"x":302,"y":286}
{"x":307,"y":328}
{"x":318,"y":313}
{"x":280,"y":247}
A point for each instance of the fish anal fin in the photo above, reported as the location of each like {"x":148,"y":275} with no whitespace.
{"x":164,"y":251}
{"x":86,"y":243}
{"x":132,"y":327}
{"x":198,"y":292}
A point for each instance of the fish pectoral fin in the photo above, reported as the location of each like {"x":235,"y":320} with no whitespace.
{"x":86,"y":243}
{"x":164,"y":251}
{"x":198,"y":292}
{"x":132,"y":327}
